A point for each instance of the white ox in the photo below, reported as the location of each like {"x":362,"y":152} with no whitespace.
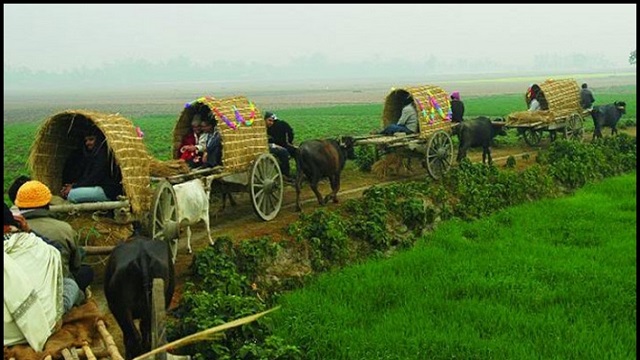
{"x":192,"y":198}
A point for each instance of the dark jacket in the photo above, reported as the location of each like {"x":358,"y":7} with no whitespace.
{"x":457,"y":110}
{"x":586,"y":98}
{"x":98,"y":171}
{"x":280,"y":133}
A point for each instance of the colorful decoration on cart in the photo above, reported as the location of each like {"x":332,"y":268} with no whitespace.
{"x":434,"y":107}
{"x":252,"y":114}
{"x":226,"y":120}
{"x":422,"y":109}
{"x":239,"y":118}
{"x":199,"y":100}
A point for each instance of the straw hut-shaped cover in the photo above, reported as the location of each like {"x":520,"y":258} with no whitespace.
{"x":63,"y":133}
{"x":558,"y":98}
{"x":242,"y":128}
{"x":432,"y":104}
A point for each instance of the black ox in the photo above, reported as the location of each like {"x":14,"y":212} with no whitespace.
{"x":318,"y":159}
{"x":128,"y":279}
{"x":478,"y":132}
{"x":607,"y":116}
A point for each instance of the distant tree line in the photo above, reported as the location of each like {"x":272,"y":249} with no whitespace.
{"x":132,"y":72}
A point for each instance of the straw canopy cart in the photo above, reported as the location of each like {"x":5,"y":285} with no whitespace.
{"x":432,"y":144}
{"x":62,"y":134}
{"x":560,"y":112}
{"x":247,"y":165}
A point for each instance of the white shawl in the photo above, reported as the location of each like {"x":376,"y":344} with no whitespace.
{"x":32,"y":289}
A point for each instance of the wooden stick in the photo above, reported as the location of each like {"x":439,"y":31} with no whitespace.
{"x":98,"y":250}
{"x":87,"y":351}
{"x":66,"y":354}
{"x":205,"y":334}
{"x":103,"y":205}
{"x":74,"y":354}
{"x":108,"y":340}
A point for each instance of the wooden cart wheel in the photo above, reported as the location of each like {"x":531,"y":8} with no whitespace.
{"x":574,"y":130}
{"x":532,"y":137}
{"x":439,"y":154}
{"x":164,"y":223}
{"x":266,"y":187}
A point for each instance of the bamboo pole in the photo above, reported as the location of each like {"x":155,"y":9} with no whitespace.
{"x":98,"y":250}
{"x":87,"y":351}
{"x":205,"y":334}
{"x":74,"y":353}
{"x":103,"y":205}
{"x":108,"y":340}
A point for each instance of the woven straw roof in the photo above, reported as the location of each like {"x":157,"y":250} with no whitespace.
{"x":240,"y":146}
{"x":562,"y":95}
{"x":559,"y":98}
{"x":422,"y":95}
{"x":62,"y":134}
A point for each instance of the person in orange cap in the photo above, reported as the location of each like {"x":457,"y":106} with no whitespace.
{"x":33,"y":199}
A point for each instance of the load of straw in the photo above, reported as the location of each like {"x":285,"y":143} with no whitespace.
{"x":529,"y":117}
{"x":167,"y":168}
{"x":390,"y":164}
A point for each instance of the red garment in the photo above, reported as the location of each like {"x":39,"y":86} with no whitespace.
{"x":194,"y":156}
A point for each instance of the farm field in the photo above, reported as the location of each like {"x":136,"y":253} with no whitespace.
{"x":341,"y":110}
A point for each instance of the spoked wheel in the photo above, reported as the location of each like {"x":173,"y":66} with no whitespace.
{"x":574,"y":130}
{"x":164,"y":224}
{"x":532,"y":137}
{"x":439,"y":154}
{"x":266,"y":187}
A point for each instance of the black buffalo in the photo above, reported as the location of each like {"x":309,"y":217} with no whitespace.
{"x":478,"y":132}
{"x":607,"y":116}
{"x":318,"y":159}
{"x":128,"y":279}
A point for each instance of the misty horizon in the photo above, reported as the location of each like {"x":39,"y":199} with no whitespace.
{"x":97,"y":45}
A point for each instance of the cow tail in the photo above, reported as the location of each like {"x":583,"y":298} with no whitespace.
{"x":296,"y":157}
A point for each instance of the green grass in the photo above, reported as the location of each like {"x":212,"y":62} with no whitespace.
{"x":555,"y":279}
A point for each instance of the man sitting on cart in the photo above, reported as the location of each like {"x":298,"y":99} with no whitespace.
{"x":408,"y":121}
{"x":210,"y":142}
{"x":98,"y":179}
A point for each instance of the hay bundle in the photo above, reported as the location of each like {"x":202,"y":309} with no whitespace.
{"x":424,"y":97}
{"x":167,"y":168}
{"x":529,"y":117}
{"x":389,"y":164}
{"x":63,"y":133}
{"x":240,"y":146}
{"x":99,"y":232}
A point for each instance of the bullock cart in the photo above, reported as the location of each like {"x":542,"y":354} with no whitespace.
{"x":61,"y":136}
{"x":560,"y":112}
{"x":147,"y":183}
{"x":432,"y":144}
{"x":247,"y":166}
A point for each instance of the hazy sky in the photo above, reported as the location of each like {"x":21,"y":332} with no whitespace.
{"x":61,"y":37}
